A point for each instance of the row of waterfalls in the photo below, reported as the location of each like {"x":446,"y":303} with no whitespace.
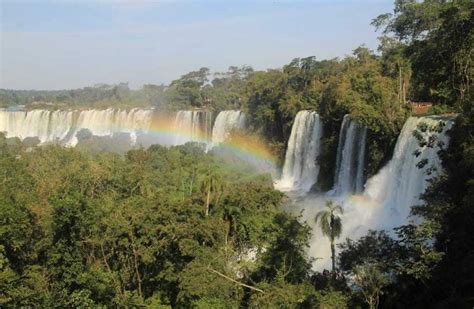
{"x":140,"y":124}
{"x":301,"y":167}
{"x":381,"y":202}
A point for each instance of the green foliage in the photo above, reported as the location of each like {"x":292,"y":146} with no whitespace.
{"x":138,"y":230}
{"x":371,"y":281}
{"x":285,"y":259}
{"x":439,"y":36}
{"x":440,"y":109}
{"x":227,"y":89}
{"x":375,"y":247}
{"x":283,"y":295}
{"x":331,"y":299}
{"x":99,"y":96}
{"x":187,"y":91}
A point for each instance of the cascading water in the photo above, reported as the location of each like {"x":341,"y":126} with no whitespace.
{"x":192,"y":126}
{"x":388,"y":196}
{"x":350,"y":160}
{"x":225,"y":122}
{"x":62,"y":126}
{"x":398,"y":185}
{"x":300,"y":170}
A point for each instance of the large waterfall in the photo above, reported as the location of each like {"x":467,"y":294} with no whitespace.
{"x":350,"y":160}
{"x":388,"y":196}
{"x":62,"y":126}
{"x":398,"y":185}
{"x":225,"y":122}
{"x":193,"y":126}
{"x":300,"y":170}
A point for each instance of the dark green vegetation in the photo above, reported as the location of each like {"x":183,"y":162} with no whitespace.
{"x":157,"y":228}
{"x":169,"y":227}
{"x":99,"y":96}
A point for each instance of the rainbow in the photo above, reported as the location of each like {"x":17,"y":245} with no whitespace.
{"x":248,"y":147}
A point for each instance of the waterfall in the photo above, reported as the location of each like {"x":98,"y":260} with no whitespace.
{"x":225,"y":122}
{"x":399,"y":184}
{"x":192,"y":126}
{"x":300,"y":170}
{"x":350,"y":159}
{"x":62,"y":126}
{"x":388,"y":196}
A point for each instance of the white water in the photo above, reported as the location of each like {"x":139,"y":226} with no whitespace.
{"x":62,"y":126}
{"x":300,"y":171}
{"x":226,"y":121}
{"x":388,"y":196}
{"x":398,"y":185}
{"x":192,"y":126}
{"x":350,"y":161}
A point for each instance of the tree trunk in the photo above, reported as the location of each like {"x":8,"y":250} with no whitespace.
{"x":208,"y":199}
{"x":400,"y":88}
{"x":371,"y":304}
{"x":137,"y":272}
{"x":227,"y":232}
{"x":235,"y":281}
{"x":333,"y":249}
{"x":333,"y":258}
{"x":192,"y":182}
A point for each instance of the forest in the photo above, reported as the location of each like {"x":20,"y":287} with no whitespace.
{"x":179,"y":227}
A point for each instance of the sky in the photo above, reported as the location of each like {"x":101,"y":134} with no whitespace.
{"x":72,"y":44}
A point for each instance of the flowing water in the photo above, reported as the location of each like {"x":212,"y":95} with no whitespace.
{"x":398,"y":185}
{"x":193,"y":126}
{"x":62,"y":126}
{"x":388,"y":196}
{"x":301,"y":169}
{"x":225,"y":122}
{"x":350,"y":160}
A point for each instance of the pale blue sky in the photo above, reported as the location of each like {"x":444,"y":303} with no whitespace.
{"x":72,"y":44}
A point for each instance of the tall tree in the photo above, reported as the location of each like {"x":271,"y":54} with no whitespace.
{"x":331,"y":226}
{"x":439,"y":36}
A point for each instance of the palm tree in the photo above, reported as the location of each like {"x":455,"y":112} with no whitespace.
{"x":212,"y":184}
{"x":331,"y":226}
